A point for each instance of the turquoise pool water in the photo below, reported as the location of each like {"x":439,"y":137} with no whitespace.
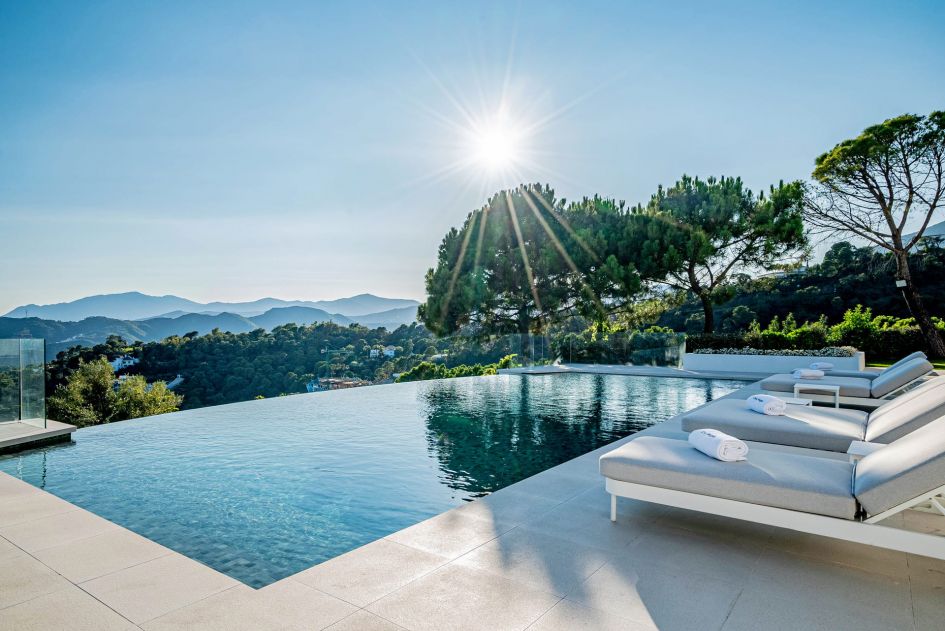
{"x":264,"y":489}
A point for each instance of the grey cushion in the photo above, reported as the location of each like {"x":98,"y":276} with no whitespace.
{"x":769,"y":478}
{"x":897,"y":376}
{"x":909,"y":357}
{"x":849,"y":386}
{"x":828,"y":429}
{"x":907,"y":412}
{"x":903,"y":470}
{"x":862,"y":374}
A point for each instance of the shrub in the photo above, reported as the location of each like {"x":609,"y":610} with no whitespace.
{"x":829,"y":351}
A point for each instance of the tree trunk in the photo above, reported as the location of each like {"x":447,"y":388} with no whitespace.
{"x":524,"y":328}
{"x":914,"y":301}
{"x":709,"y":322}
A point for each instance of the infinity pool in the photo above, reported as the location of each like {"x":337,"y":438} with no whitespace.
{"x":264,"y":489}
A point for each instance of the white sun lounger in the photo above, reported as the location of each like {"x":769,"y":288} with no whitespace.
{"x":832,"y":498}
{"x":853,"y":390}
{"x":821,"y":428}
{"x":873,"y":374}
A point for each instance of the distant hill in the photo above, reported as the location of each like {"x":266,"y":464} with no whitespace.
{"x":95,"y":330}
{"x":137,"y":306}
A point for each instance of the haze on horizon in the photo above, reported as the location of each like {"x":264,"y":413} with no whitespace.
{"x":229,"y":152}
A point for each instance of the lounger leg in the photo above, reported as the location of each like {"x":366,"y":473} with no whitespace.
{"x":613,"y":507}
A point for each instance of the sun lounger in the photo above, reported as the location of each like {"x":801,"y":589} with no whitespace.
{"x":873,"y":374}
{"x":826,"y":497}
{"x":853,"y":389}
{"x":825,"y":429}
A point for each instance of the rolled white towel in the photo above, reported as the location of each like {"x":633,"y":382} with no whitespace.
{"x":807,"y":373}
{"x":822,"y":366}
{"x":767,"y":404}
{"x":720,"y":446}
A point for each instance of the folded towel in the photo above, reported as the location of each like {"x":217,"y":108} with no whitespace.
{"x":767,"y":404}
{"x":720,"y":446}
{"x":822,"y":366}
{"x":807,"y":373}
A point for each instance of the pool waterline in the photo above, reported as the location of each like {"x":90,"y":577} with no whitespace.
{"x":261,"y":490}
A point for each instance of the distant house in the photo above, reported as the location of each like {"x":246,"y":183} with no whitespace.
{"x":390,"y":351}
{"x":375,"y":353}
{"x":125,"y":361}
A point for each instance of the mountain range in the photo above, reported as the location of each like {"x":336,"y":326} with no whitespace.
{"x":134,"y":305}
{"x":91,"y":320}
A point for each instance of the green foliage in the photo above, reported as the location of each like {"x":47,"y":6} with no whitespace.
{"x":847,"y":276}
{"x":429,"y":370}
{"x":89,"y":397}
{"x":616,"y":347}
{"x":881,"y":337}
{"x":697,"y":233}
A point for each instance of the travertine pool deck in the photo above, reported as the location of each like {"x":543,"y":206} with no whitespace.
{"x":539,"y":555}
{"x":19,"y":435}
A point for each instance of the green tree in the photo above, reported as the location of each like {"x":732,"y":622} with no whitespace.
{"x":89,"y":397}
{"x":696,"y":234}
{"x":508,"y":269}
{"x":874,"y":186}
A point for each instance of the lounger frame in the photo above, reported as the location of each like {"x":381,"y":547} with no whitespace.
{"x":867,"y":532}
{"x":869,"y":403}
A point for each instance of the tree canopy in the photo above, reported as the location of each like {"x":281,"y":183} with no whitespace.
{"x":697,"y":233}
{"x":888,"y":179}
{"x":522,"y":261}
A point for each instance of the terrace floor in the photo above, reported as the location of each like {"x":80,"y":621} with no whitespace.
{"x":16,"y":434}
{"x":538,"y":555}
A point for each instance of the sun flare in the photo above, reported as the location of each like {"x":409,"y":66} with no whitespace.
{"x":496,"y":147}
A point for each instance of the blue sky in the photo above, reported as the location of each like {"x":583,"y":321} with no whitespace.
{"x":234,"y":150}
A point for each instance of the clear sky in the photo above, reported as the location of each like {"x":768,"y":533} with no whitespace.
{"x":306,"y":150}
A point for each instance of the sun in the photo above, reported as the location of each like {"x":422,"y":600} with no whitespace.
{"x":497,"y":146}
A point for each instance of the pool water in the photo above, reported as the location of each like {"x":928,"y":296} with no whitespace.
{"x":264,"y":489}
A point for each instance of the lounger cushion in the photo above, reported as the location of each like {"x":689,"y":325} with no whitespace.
{"x":862,"y":374}
{"x":849,"y":386}
{"x":903,"y":470}
{"x":908,"y":358}
{"x":907,"y":412}
{"x":769,"y":478}
{"x":827,"y":429}
{"x":897,"y":376}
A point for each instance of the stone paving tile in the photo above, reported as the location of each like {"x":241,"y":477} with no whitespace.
{"x":772,"y":611}
{"x":928,"y":604}
{"x":460,"y":598}
{"x":570,"y":616}
{"x":108,"y":552}
{"x":70,"y":609}
{"x":857,"y":555}
{"x":55,"y":530}
{"x":283,"y":606}
{"x":9,"y":551}
{"x":370,"y":572}
{"x":537,"y":560}
{"x":450,"y":534}
{"x":683,"y":552}
{"x":363,"y":620}
{"x":24,"y":578}
{"x":584,"y":522}
{"x":653,"y":597}
{"x":511,"y":507}
{"x":813,"y":585}
{"x":151,"y":589}
{"x":27,"y":506}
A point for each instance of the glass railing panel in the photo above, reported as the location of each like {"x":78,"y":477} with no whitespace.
{"x":33,"y":382}
{"x":9,"y":380}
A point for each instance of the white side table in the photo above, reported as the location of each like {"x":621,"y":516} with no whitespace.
{"x":817,"y":387}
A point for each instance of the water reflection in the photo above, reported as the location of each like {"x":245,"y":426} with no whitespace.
{"x":485,"y":436}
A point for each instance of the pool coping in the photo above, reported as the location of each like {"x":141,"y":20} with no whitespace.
{"x":419,"y":577}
